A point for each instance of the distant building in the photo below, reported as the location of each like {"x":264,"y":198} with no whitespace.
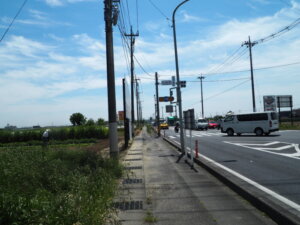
{"x":10,"y":127}
{"x":36,"y":127}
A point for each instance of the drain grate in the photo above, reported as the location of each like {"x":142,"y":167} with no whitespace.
{"x":132,"y":205}
{"x":132,"y":181}
{"x":134,"y":153}
{"x":133,"y":159}
{"x":133,"y":168}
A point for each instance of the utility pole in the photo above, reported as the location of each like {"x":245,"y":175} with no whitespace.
{"x":132,"y":41}
{"x":137,"y":101}
{"x":201,"y":78}
{"x":110,"y":14}
{"x":182,"y":144}
{"x":157,"y":104}
{"x":249,"y":45}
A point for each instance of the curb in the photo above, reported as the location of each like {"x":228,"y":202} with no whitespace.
{"x":276,"y":210}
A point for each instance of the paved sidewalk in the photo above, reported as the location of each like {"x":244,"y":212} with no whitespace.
{"x":157,"y":190}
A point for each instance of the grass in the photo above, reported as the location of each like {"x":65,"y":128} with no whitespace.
{"x":56,"y":186}
{"x":288,"y":126}
{"x":149,"y":218}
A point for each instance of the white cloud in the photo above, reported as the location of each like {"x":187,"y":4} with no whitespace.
{"x":190,"y":18}
{"x":63,"y":2}
{"x":54,"y":2}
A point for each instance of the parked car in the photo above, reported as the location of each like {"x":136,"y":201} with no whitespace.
{"x":212,"y":124}
{"x":201,"y":124}
{"x":164,"y":125}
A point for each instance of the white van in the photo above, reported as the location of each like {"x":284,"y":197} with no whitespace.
{"x":258,"y":123}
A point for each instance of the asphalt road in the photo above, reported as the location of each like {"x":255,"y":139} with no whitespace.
{"x":272,"y":161}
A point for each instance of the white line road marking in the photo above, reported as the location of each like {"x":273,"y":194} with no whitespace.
{"x":295,"y":155}
{"x":257,"y":185}
{"x":266,"y":144}
{"x":172,"y":137}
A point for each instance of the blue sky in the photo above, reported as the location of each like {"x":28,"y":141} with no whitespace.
{"x":52,"y":60}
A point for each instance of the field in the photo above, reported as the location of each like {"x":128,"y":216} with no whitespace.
{"x":68,"y":182}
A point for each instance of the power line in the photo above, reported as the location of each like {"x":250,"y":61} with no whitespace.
{"x":234,"y":71}
{"x":19,"y":11}
{"x":128,"y":13}
{"x":218,"y":66}
{"x":196,"y":81}
{"x":229,"y":89}
{"x":261,"y":68}
{"x":279,"y":33}
{"x":141,"y":66}
{"x":137,"y":14}
{"x":160,"y":11}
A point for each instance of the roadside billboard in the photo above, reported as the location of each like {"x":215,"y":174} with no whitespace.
{"x":270,"y":103}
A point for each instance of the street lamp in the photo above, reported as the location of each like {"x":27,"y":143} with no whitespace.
{"x":178,"y":83}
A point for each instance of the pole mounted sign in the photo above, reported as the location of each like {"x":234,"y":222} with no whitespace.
{"x":166,"y":99}
{"x":166,"y":82}
{"x":169,"y":108}
{"x":270,"y":103}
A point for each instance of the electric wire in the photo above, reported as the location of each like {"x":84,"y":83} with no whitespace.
{"x":137,"y":14}
{"x":11,"y":23}
{"x":208,"y":81}
{"x":218,"y":66}
{"x":247,"y":70}
{"x":226,"y":90}
{"x":232,"y":60}
{"x":158,"y":9}
{"x":278,"y":33}
{"x":128,"y":12}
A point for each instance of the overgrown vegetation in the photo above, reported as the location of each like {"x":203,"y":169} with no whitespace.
{"x":56,"y":186}
{"x":289,"y":126}
{"x":149,"y":218}
{"x":59,"y":134}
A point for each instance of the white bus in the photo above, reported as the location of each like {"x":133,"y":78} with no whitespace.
{"x":258,"y":123}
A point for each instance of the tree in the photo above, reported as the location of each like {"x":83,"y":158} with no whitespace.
{"x":77,"y":119}
{"x":101,"y":122}
{"x":90,"y":122}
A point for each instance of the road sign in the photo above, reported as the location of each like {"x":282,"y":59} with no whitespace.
{"x":173,"y":81}
{"x":166,"y":82}
{"x":189,"y":119}
{"x":169,"y":108}
{"x":183,"y":83}
{"x":284,"y":101}
{"x":166,"y":99}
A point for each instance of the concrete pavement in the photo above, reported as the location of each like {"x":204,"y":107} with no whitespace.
{"x":157,"y":190}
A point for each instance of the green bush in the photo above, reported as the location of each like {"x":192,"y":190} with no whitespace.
{"x":61,"y":134}
{"x":56,"y":186}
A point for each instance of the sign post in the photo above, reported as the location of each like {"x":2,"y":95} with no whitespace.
{"x":285,"y":101}
{"x":189,"y":123}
